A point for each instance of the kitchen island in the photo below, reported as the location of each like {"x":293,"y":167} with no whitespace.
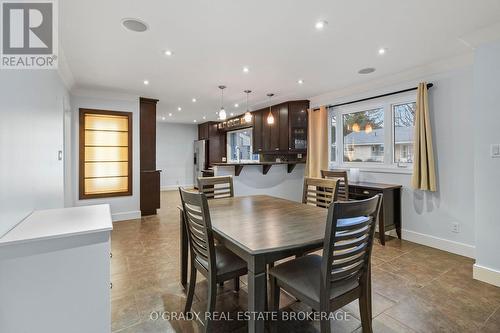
{"x":279,"y":179}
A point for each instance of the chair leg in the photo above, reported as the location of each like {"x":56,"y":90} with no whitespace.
{"x":236,"y":284}
{"x":192,"y":285}
{"x":221,"y":284}
{"x":365,"y":314}
{"x":324,"y":326}
{"x":212,"y":294}
{"x":274,"y":305}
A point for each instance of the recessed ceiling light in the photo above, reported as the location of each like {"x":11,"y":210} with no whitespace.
{"x":194,"y":121}
{"x":179,"y":108}
{"x":133,"y":24}
{"x":367,"y":70}
{"x":168,"y":53}
{"x":193,"y":100}
{"x":382,"y":51}
{"x":216,"y":112}
{"x":320,"y":25}
{"x":236,"y":105}
{"x":204,"y":117}
{"x":245,"y":69}
{"x":300,"y":81}
{"x":170,"y":114}
{"x":231,"y":114}
{"x":163,"y":118}
{"x":146,"y":82}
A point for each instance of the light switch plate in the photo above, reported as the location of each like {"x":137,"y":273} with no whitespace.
{"x":495,"y":150}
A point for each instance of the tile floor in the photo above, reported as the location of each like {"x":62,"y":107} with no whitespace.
{"x":415,"y":288}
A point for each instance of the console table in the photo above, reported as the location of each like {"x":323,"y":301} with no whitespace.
{"x":390,"y":212}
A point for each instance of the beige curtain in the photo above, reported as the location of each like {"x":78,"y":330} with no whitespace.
{"x":317,"y":142}
{"x":424,"y":174}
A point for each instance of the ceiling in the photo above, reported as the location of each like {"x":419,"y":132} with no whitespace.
{"x":213,"y":40}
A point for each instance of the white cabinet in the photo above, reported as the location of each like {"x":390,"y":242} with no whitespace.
{"x":54,"y":272}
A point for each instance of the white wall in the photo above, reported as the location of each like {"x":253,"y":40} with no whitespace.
{"x":277,"y":182}
{"x":125,"y":207}
{"x":427,"y":217}
{"x":174,"y":154}
{"x":31,"y":134}
{"x":487,"y":169}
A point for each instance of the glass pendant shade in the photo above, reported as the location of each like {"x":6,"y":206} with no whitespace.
{"x":270,"y":118}
{"x":248,"y":117}
{"x":222,"y":114}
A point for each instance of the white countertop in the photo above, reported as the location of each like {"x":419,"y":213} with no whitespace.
{"x":57,"y":223}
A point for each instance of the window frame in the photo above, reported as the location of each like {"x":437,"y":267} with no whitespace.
{"x":385,"y":103}
{"x":228,"y":145}
{"x":81,"y":149}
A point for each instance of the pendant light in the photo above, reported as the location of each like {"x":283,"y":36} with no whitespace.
{"x":270,"y":117}
{"x":222,"y":112}
{"x":368,"y":129}
{"x":248,"y":115}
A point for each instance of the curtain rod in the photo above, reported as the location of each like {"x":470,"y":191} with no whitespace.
{"x":429,"y":85}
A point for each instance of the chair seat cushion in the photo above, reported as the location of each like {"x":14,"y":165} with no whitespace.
{"x":227,"y":261}
{"x":303,"y":276}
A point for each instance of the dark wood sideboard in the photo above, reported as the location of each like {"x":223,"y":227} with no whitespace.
{"x":390,"y":212}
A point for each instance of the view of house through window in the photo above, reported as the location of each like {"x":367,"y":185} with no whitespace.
{"x":404,"y":124}
{"x":363,"y":134}
{"x":239,"y":146}
{"x":333,"y":139}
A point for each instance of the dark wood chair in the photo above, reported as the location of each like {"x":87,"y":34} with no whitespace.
{"x":342,"y":275}
{"x":319,"y":192}
{"x":216,"y":187}
{"x":215,"y":262}
{"x":343,"y":189}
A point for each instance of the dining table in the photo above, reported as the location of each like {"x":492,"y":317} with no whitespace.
{"x":260,"y":229}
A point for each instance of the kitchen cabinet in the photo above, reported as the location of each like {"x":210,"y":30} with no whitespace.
{"x":216,"y":148}
{"x":297,"y":118}
{"x":258,"y":146}
{"x":288,"y":133}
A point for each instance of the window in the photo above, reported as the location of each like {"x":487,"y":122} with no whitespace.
{"x":333,"y":138}
{"x":239,"y":146}
{"x":374,"y":134}
{"x":105,"y":154}
{"x":363,"y":134}
{"x":404,"y":124}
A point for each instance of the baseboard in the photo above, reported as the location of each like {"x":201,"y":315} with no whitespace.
{"x":135,"y":214}
{"x":462,"y":249}
{"x":174,"y":187}
{"x":485,"y":274}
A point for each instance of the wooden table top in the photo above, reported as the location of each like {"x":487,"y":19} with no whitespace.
{"x":263,"y":223}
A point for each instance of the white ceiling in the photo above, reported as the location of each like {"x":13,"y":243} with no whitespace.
{"x":213,"y":40}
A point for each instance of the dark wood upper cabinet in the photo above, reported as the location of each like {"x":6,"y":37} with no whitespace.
{"x":203,"y":131}
{"x":297,"y":123}
{"x":283,"y":127}
{"x":258,"y":146}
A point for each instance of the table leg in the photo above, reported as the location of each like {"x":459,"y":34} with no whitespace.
{"x":397,"y":211}
{"x":183,"y":250}
{"x":256,"y":295}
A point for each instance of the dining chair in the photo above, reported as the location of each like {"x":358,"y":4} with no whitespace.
{"x":215,"y":262}
{"x":216,"y":187}
{"x":342,"y":275}
{"x":319,"y":192}
{"x":343,"y":189}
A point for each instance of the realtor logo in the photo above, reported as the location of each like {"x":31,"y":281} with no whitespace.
{"x":29,"y":34}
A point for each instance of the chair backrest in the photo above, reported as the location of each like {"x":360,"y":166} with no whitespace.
{"x":350,"y":230}
{"x":216,"y":187}
{"x":319,"y":192}
{"x":343,"y":192}
{"x":199,"y":228}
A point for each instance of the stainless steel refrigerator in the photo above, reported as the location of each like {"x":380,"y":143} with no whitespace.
{"x":200,"y":158}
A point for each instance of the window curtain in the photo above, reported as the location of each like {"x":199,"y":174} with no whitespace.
{"x":424,"y":175}
{"x":317,"y":142}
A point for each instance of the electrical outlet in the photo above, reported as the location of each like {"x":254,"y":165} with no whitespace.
{"x":455,"y":227}
{"x":299,"y":155}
